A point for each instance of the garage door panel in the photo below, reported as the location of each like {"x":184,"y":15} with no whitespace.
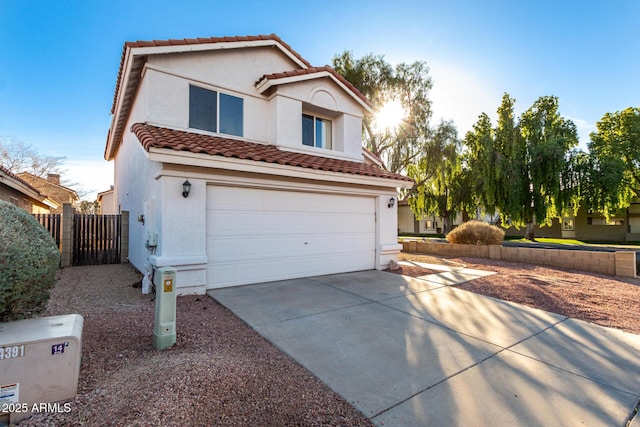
{"x":247,"y":248}
{"x":238,"y":224}
{"x":256,"y":235}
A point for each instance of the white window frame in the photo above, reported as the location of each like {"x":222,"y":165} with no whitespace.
{"x":568,"y":224}
{"x":315,"y":118}
{"x":218,"y":110}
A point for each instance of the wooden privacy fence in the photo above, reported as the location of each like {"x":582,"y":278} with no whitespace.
{"x":86,"y":239}
{"x":96,"y":239}
{"x":53,"y":224}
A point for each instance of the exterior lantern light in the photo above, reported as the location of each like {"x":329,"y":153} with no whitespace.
{"x":186,"y":188}
{"x":391,"y":203}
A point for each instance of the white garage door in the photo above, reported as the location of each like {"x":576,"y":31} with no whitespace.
{"x":256,"y":235}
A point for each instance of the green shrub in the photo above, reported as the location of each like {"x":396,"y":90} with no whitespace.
{"x":476,"y":233}
{"x":29,"y":259}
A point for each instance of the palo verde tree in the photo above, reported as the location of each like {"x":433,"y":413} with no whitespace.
{"x":406,"y":85}
{"x":615,"y":157}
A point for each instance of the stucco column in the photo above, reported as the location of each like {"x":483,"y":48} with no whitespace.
{"x":66,"y":255}
{"x":124,"y":236}
{"x":387,"y":223}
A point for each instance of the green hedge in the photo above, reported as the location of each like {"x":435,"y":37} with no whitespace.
{"x":29,"y":259}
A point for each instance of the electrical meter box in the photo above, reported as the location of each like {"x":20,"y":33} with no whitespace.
{"x":39,"y":364}
{"x":164,"y":328}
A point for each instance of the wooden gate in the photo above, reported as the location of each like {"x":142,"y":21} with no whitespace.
{"x":96,"y":239}
{"x":52,"y":223}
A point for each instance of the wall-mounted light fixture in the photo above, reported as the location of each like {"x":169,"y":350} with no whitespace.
{"x":141,"y":219}
{"x":186,"y":188}
{"x":391,"y":203}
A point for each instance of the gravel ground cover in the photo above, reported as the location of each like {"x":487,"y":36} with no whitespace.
{"x":604,"y":300}
{"x":220,"y":372}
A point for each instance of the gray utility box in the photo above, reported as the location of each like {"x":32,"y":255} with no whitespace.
{"x":39,"y":364}
{"x":164,"y":328}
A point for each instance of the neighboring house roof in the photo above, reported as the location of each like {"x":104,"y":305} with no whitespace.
{"x":104,"y":193}
{"x":19,"y":184}
{"x":158,"y":137}
{"x":37,"y":181}
{"x":134,"y":57}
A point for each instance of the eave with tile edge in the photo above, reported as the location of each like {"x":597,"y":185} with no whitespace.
{"x":134,"y":58}
{"x":195,"y":149}
{"x":268,"y":81}
{"x":14,"y":181}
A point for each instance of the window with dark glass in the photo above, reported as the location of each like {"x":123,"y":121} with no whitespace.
{"x":316,"y":132}
{"x":215,"y":112}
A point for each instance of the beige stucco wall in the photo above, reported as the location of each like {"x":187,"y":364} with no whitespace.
{"x":30,"y":205}
{"x":273,"y":117}
{"x":406,"y":223}
{"x":135,"y":188}
{"x":152,"y":189}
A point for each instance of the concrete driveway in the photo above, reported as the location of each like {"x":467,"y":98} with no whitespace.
{"x":417,"y":352}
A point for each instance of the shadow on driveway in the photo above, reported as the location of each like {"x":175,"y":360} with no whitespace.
{"x":408,"y":351}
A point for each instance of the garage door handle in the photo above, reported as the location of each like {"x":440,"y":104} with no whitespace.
{"x":306,"y":243}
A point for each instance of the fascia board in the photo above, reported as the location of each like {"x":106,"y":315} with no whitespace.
{"x":133,"y":52}
{"x":371,"y":157}
{"x":265,"y":84}
{"x":23,"y":189}
{"x":198,"y":47}
{"x":185,"y":158}
{"x":50,"y":203}
{"x":121,"y":91}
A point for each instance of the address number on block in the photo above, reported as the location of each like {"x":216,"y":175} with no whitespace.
{"x":11,"y":352}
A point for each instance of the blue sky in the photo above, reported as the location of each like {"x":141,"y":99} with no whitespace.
{"x":59,"y":59}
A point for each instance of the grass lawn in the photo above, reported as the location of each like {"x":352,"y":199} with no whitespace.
{"x":542,"y":240}
{"x":571,"y":241}
{"x":548,"y":240}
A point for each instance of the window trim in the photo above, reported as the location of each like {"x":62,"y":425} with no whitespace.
{"x":218,"y":112}
{"x":317,"y":118}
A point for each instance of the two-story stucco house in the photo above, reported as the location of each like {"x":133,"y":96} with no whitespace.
{"x":271,"y":148}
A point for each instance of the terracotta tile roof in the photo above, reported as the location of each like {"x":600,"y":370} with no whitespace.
{"x":314,"y":70}
{"x":199,"y":40}
{"x":158,"y":137}
{"x":208,"y":40}
{"x":136,"y":66}
{"x":22,"y":181}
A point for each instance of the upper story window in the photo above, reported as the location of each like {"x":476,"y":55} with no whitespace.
{"x":215,"y":112}
{"x":316,"y":132}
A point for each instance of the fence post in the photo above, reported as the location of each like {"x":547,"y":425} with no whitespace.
{"x":67,"y":235}
{"x":124,"y":236}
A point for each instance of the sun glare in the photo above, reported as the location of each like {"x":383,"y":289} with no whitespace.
{"x":390,"y":115}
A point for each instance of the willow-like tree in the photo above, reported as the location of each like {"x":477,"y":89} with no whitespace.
{"x":495,"y":158}
{"x":408,"y":84}
{"x":440,"y":182}
{"x":548,"y":138}
{"x":519,"y":167}
{"x":615,"y":152}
